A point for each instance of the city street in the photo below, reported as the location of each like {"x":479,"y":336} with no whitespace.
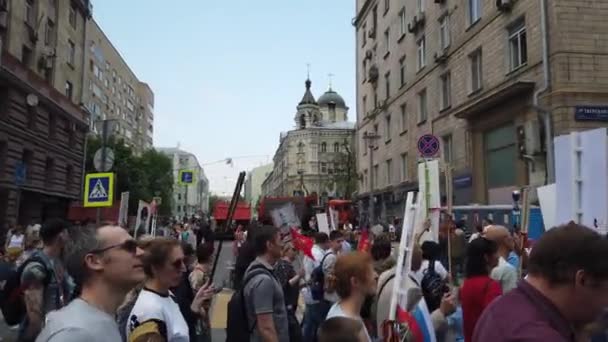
{"x":218,"y":307}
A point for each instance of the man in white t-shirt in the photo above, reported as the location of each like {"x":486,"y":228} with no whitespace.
{"x":106,"y":263}
{"x":504,"y":273}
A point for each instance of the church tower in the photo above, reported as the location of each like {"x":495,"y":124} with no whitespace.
{"x":307,"y":114}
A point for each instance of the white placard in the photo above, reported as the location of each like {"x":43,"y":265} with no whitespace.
{"x":322,"y":223}
{"x":138,"y":222}
{"x":123,"y":214}
{"x":581,"y":177}
{"x":546,"y":197}
{"x":429,"y":200}
{"x":285,"y":218}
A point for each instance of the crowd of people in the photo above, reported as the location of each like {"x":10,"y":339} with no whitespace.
{"x":561,"y":295}
{"x":98,"y":283}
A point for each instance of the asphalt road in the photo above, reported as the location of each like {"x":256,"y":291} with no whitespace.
{"x":219,"y":305}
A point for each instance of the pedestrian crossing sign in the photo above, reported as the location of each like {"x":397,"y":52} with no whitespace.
{"x":99,"y":190}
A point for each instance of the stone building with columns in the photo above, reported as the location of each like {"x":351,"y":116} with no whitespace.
{"x":317,"y":156}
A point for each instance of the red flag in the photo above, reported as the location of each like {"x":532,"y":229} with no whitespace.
{"x":302,"y":243}
{"x":364,"y":242}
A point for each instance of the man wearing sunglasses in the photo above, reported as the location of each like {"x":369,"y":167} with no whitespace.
{"x":106,"y":264}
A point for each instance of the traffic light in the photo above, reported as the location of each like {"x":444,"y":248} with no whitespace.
{"x":521,"y":141}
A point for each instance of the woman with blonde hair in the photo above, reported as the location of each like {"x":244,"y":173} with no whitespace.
{"x":354,"y":279}
{"x":289,"y":279}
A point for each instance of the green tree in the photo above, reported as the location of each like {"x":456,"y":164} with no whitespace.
{"x":213,"y":199}
{"x":344,"y":175}
{"x":143,"y":176}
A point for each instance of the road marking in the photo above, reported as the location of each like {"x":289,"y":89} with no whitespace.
{"x":219,"y":310}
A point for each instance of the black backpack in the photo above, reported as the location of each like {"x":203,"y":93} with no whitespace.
{"x":433,"y":287}
{"x":317,"y":280}
{"x":12,"y":303}
{"x":237,"y":310}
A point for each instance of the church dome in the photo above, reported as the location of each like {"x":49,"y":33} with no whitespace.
{"x":330,"y":97}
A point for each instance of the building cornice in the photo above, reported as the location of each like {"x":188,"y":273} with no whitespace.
{"x":364,"y":9}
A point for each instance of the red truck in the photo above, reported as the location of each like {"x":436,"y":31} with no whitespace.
{"x":242,"y":216}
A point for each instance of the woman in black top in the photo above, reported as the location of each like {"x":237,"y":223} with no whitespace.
{"x":290,"y":281}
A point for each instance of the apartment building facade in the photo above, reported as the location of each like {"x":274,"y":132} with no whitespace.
{"x":253,"y":185}
{"x":113,"y":92}
{"x":192,"y":199}
{"x":491,"y":79}
{"x":42,"y":125}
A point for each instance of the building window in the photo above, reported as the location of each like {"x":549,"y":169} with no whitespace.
{"x":387,"y":128}
{"x":403,"y":117}
{"x":374,"y":20}
{"x":363,"y":34}
{"x":389,"y":172}
{"x":447,"y":148}
{"x":364,"y":105}
{"x":49,"y":171}
{"x":518,"y":47}
{"x":69,"y":173}
{"x":375,"y":98}
{"x":364,"y":71}
{"x":49,"y":33}
{"x":3,"y":152}
{"x":365,"y":178}
{"x":446,"y":93}
{"x":387,"y":5}
{"x":27,"y":158}
{"x":422,"y":106}
{"x":402,"y":71}
{"x":179,"y":208}
{"x":402,"y":22}
{"x":444,"y":32}
{"x":30,"y":13}
{"x":500,"y":156}
{"x":301,"y":147}
{"x":387,"y":41}
{"x":420,"y":6}
{"x":71,"y":53}
{"x":474,"y":11}
{"x":324,"y":167}
{"x":387,"y":83}
{"x":421,"y":49}
{"x":376,"y":129}
{"x":336,"y":147}
{"x":26,"y":56}
{"x":323,"y":147}
{"x":375,"y":176}
{"x":179,"y":197}
{"x":52,"y":126}
{"x":476,"y":70}
{"x":72,"y":15}
{"x":404,"y":167}
{"x":69,"y":90}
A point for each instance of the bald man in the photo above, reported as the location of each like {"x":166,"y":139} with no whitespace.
{"x":504,"y":272}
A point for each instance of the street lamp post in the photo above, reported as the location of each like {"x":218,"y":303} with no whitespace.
{"x":370,"y":138}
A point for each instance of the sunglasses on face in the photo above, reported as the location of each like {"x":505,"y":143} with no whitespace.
{"x":128,"y":246}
